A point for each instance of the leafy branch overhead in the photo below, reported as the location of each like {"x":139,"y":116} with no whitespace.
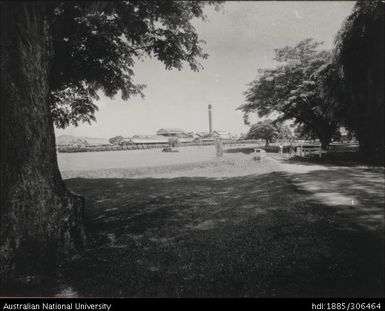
{"x":96,"y":44}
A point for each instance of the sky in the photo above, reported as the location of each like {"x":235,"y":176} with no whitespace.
{"x":240,"y":39}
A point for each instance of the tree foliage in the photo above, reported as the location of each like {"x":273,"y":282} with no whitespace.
{"x":283,"y":132}
{"x":304,"y":132}
{"x":95,"y":45}
{"x":115,"y":140}
{"x":353,"y":82}
{"x":173,"y":142}
{"x":263,"y":130}
{"x":292,"y":90}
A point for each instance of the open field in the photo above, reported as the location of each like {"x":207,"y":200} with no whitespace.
{"x":134,"y":158}
{"x":199,"y":226}
{"x":155,"y":163}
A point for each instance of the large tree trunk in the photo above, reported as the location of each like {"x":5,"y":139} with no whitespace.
{"x":372,"y":134}
{"x":41,"y":221}
{"x":325,"y":131}
{"x":325,"y":138}
{"x":364,"y":74}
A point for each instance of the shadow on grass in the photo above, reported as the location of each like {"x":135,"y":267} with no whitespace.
{"x":340,"y":158}
{"x":363,"y":184}
{"x":244,"y":150}
{"x":251,"y":236}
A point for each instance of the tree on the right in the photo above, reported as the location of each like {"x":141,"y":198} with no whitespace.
{"x":291,"y":90}
{"x":353,"y":81}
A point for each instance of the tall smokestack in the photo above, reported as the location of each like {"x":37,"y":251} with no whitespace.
{"x":210,"y":120}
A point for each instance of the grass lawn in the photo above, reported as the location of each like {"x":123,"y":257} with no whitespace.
{"x":252,"y":235}
{"x":230,"y":227}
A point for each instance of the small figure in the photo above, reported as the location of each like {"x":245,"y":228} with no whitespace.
{"x":280,"y":148}
{"x":291,"y":150}
{"x":219,"y":147}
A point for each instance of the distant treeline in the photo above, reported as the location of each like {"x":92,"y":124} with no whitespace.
{"x":273,"y":147}
{"x":91,"y":148}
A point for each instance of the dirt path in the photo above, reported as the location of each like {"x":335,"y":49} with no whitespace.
{"x":355,"y":192}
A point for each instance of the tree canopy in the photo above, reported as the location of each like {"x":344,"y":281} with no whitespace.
{"x":323,"y":90}
{"x":173,"y":142}
{"x":116,"y":140}
{"x":284,"y":132}
{"x":263,"y":130}
{"x":353,"y":82}
{"x":292,"y":90}
{"x":95,"y":45}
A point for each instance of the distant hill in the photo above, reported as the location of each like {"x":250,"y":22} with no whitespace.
{"x":69,"y":140}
